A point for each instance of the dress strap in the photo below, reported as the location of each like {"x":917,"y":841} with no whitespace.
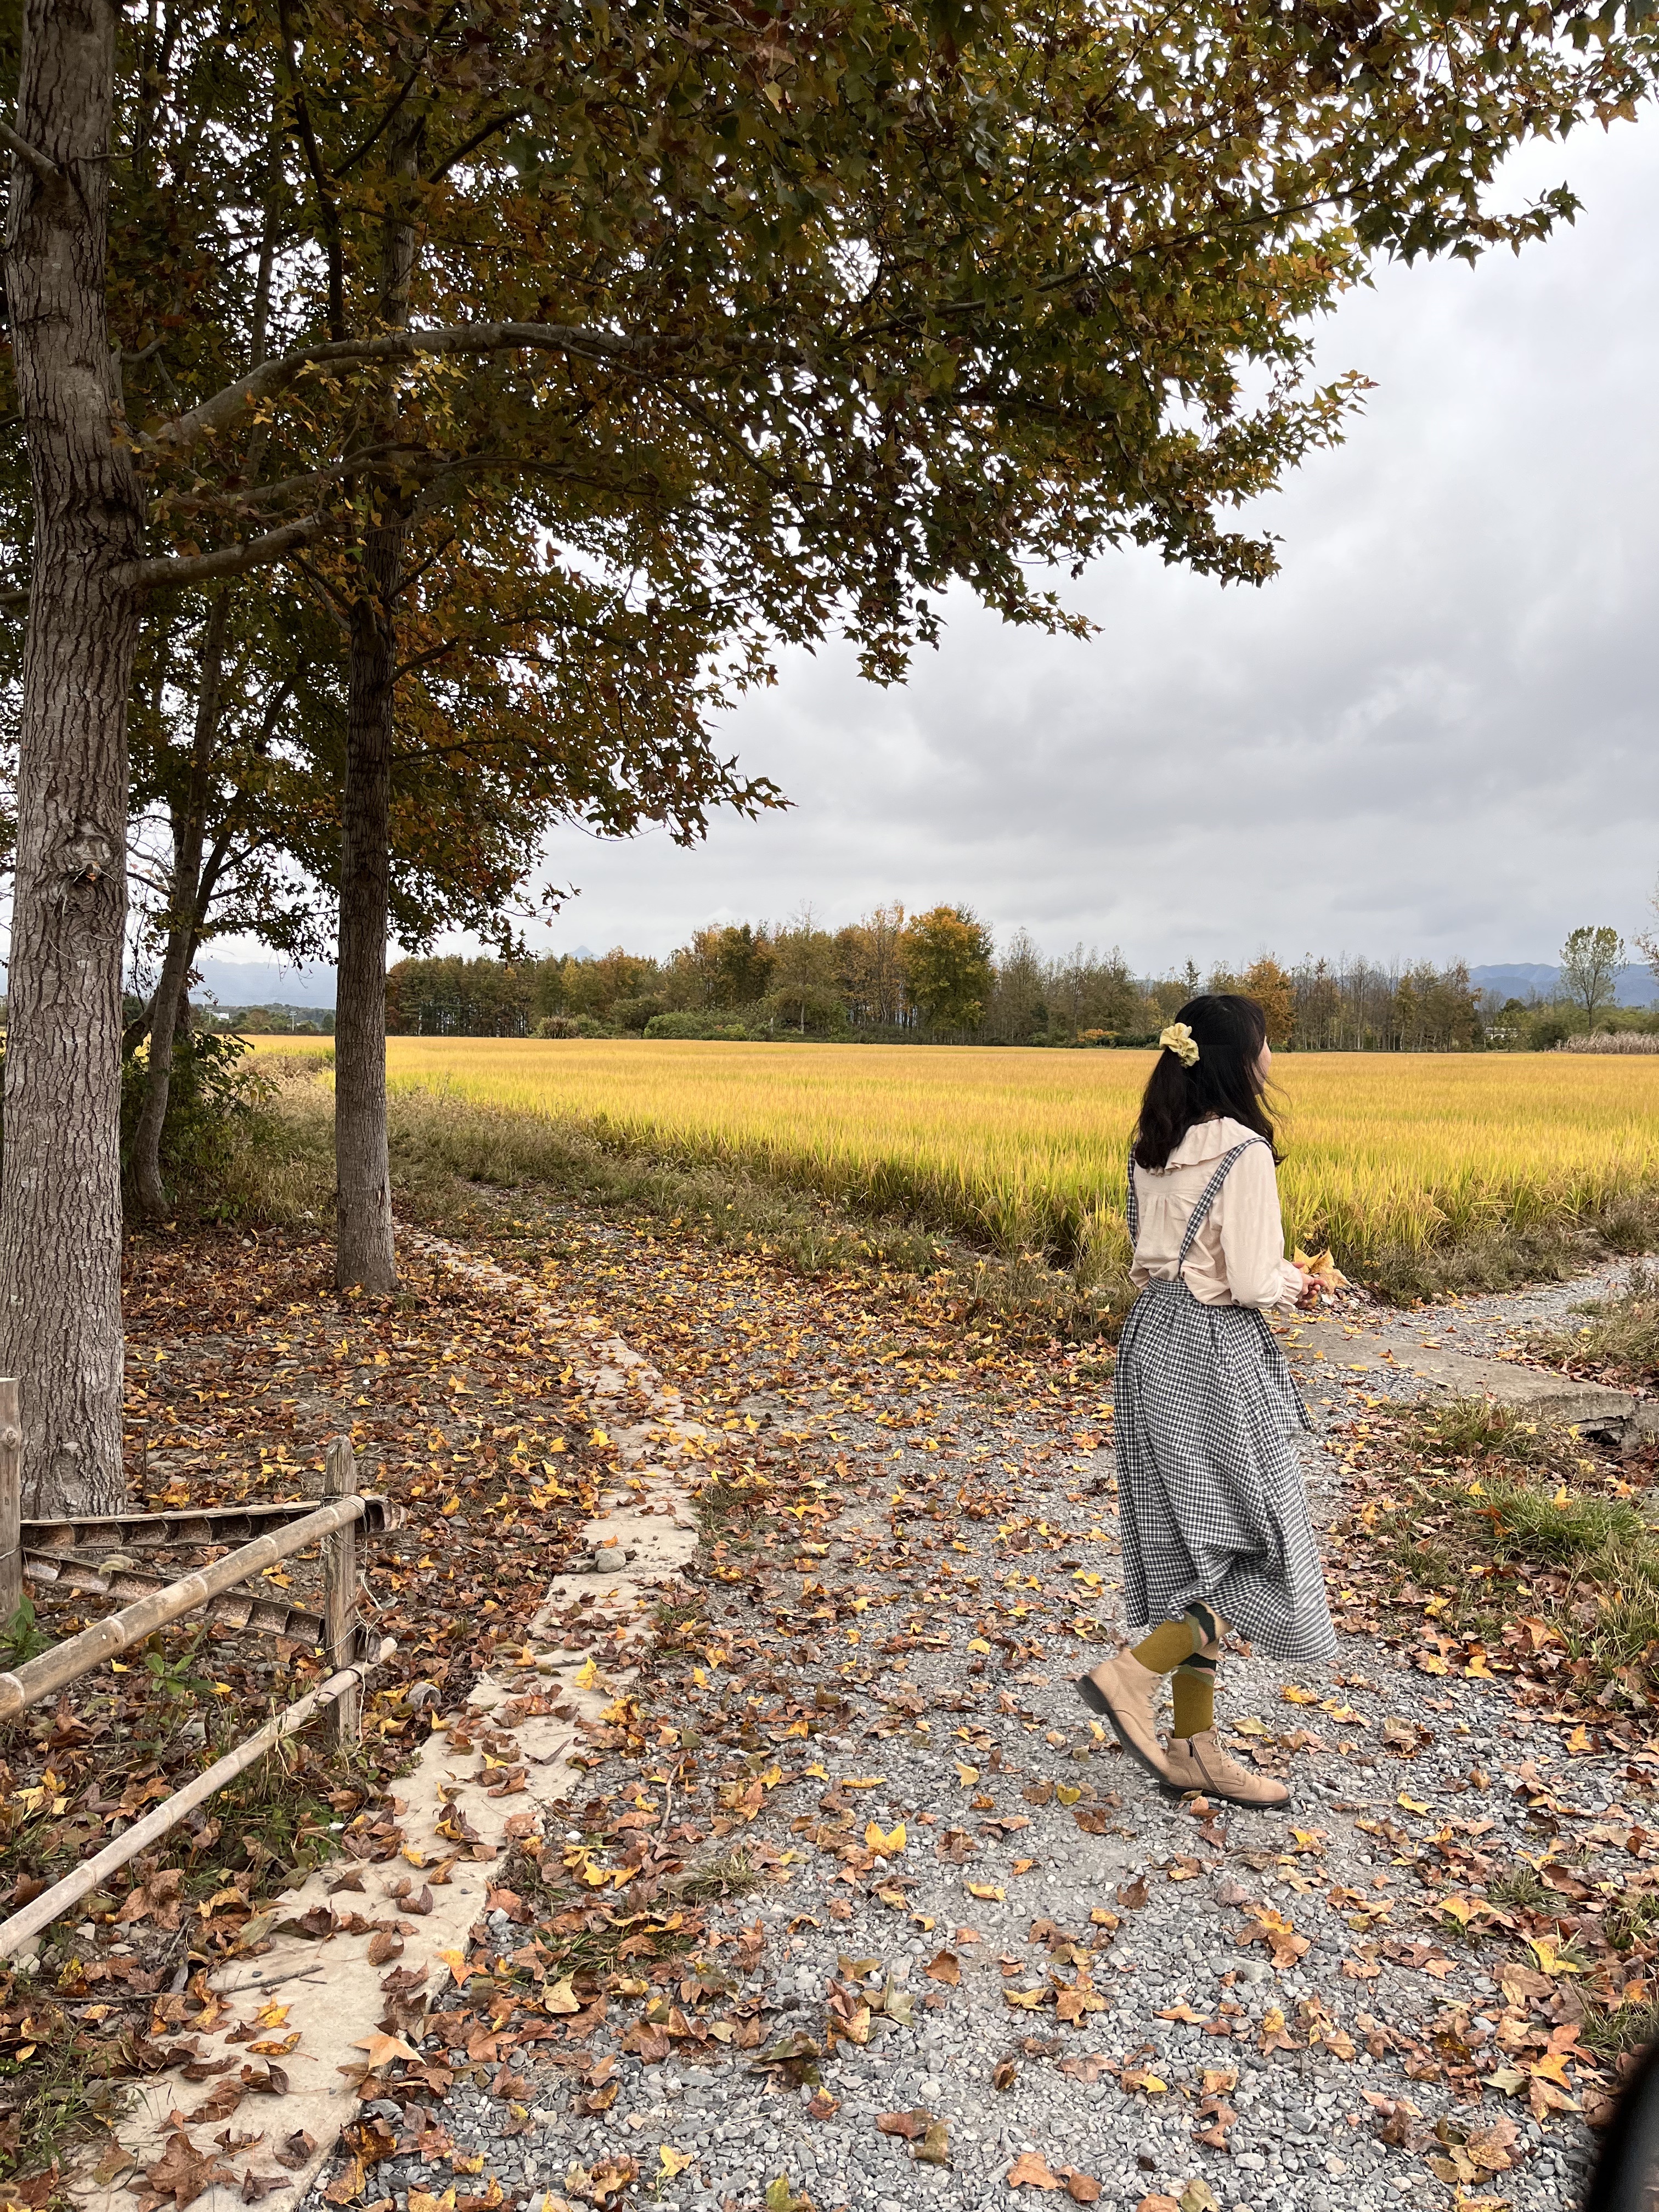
{"x":1208,"y":1196}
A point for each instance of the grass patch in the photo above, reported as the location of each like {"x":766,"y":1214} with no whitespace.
{"x":54,"y":2101}
{"x":1484,"y":1519}
{"x":1620,"y":1336}
{"x":1520,"y":1890}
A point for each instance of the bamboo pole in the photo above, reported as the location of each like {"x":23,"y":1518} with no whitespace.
{"x":11,"y":1501}
{"x":340,"y":1590}
{"x":53,"y":1670}
{"x":90,"y":1874}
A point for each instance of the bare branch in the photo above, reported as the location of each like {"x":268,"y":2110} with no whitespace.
{"x":47,"y":172}
{"x":229,"y":560}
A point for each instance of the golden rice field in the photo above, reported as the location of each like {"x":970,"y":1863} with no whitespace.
{"x":1025,"y":1149}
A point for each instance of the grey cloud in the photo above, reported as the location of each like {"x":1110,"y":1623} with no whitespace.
{"x":1432,"y":735}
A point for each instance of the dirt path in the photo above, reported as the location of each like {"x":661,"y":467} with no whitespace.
{"x":940,"y":1940}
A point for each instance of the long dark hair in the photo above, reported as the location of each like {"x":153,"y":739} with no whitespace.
{"x":1229,"y":1032}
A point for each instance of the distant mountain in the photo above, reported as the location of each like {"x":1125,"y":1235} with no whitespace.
{"x":1637,"y":985}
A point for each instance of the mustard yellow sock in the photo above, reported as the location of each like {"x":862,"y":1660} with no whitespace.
{"x":1195,"y":1699}
{"x":1167,"y":1646}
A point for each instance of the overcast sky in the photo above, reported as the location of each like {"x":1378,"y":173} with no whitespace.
{"x":1432,"y":735}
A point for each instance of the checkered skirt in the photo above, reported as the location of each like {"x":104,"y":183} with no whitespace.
{"x":1211,"y":1500}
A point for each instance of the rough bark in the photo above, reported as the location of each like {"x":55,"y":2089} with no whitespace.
{"x":60,"y":1191}
{"x":365,"y":1254}
{"x":183,"y":919}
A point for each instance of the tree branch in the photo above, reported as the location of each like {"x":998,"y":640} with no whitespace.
{"x":45,"y":172}
{"x":351,"y":159}
{"x":228,"y":561}
{"x":225,"y":406}
{"x":471,"y":146}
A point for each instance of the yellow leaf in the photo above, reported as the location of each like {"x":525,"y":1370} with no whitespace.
{"x":1580,"y":1740}
{"x":967,"y":1775}
{"x":271,"y":2015}
{"x":675,"y":2161}
{"x":1293,"y":1696}
{"x":1067,"y":1792}
{"x":978,"y":1643}
{"x":1026,"y":2000}
{"x":885,"y":1846}
{"x":584,"y":1676}
{"x":1543,"y":1949}
{"x":988,"y":1890}
{"x":562,"y":1998}
{"x":864,"y":1782}
{"x":1411,"y":1804}
{"x":451,"y":1504}
{"x":599,"y":1438}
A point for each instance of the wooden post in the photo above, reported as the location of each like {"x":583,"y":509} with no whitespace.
{"x":340,"y":1590}
{"x":11,"y":1501}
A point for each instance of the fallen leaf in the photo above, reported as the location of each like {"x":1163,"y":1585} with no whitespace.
{"x":382,"y":2050}
{"x":907,"y":2125}
{"x":945,"y":1968}
{"x":182,"y":2172}
{"x":1030,"y":2170}
{"x":934,"y":2149}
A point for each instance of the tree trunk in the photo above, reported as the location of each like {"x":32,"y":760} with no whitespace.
{"x":365,"y":1256}
{"x":184,"y":899}
{"x":60,"y":1186}
{"x":364,"y":1252}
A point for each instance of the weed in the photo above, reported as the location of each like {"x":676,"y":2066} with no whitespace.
{"x":1631,"y":1919}
{"x":733,"y":1875}
{"x":1519,"y":1889}
{"x":23,"y":1637}
{"x":1612,"y":2031}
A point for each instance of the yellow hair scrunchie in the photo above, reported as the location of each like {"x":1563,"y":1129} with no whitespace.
{"x":1180,"y":1039}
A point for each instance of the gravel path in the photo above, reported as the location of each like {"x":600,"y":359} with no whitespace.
{"x":890,"y":1641}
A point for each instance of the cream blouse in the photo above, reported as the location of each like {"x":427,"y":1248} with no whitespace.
{"x":1238,"y":1255}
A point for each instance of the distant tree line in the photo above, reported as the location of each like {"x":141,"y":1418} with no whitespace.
{"x":935,"y":977}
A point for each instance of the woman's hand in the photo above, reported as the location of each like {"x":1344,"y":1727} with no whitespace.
{"x":1308,"y":1295}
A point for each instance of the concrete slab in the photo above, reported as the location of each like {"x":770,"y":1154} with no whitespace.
{"x":1347,"y":1348}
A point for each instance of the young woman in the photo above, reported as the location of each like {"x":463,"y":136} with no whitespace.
{"x":1211,"y":1505}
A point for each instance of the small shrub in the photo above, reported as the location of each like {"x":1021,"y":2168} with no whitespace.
{"x":568,"y":1025}
{"x":709,"y":1027}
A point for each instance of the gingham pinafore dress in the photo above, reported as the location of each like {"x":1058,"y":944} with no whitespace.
{"x":1211,"y":1501}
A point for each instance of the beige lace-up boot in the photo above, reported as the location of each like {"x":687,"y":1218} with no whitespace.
{"x":1198,"y":1762}
{"x":1126,"y":1694}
